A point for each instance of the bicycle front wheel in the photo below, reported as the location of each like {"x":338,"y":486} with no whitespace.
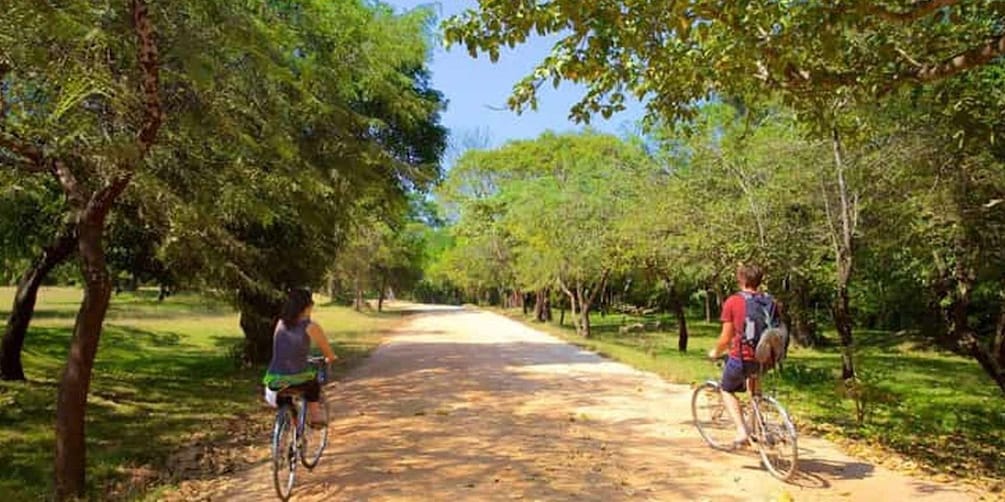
{"x":710,"y":416}
{"x":777,"y":439}
{"x":314,"y":440}
{"x":284,"y":452}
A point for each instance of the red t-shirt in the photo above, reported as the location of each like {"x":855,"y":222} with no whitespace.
{"x":734,"y":310}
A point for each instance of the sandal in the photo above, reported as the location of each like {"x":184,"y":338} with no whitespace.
{"x":318,"y":425}
{"x":739,"y":444}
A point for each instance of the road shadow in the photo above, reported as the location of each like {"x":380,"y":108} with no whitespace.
{"x":470,"y":410}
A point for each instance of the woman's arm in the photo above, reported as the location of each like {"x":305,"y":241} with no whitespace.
{"x":318,"y":335}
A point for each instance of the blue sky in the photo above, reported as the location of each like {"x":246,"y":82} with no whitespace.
{"x":472,"y":86}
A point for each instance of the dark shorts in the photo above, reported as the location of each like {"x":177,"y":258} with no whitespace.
{"x":311,"y":390}
{"x":735,"y":374}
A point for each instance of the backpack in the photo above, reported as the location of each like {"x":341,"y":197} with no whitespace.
{"x":762,"y":331}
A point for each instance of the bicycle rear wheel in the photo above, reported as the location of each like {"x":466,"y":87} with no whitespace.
{"x":314,"y":440}
{"x":777,"y":439}
{"x":710,"y":416}
{"x":284,"y":452}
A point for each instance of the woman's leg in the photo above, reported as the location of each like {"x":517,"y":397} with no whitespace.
{"x":312,"y":392}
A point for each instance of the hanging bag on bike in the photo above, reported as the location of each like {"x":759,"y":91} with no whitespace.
{"x":761,"y":331}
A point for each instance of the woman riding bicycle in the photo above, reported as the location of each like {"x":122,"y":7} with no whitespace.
{"x":291,"y":344}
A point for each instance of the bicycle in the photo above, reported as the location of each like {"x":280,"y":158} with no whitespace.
{"x":768,"y":427}
{"x":292,"y":437}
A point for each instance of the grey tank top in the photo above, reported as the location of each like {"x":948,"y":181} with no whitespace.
{"x":291,"y":347}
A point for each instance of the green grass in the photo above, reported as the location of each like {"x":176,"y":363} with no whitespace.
{"x":935,"y":408}
{"x":165,"y":374}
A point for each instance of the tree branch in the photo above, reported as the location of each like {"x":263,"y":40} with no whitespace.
{"x":153,"y":113}
{"x":917,"y":10}
{"x":35,"y":159}
{"x":150,"y":83}
{"x":963,"y":61}
{"x":68,"y":181}
{"x":4,"y":70}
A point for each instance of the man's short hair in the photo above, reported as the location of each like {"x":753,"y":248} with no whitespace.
{"x":750,"y":275}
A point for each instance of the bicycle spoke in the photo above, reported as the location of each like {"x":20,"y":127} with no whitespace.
{"x":778,"y":445}
{"x":710,"y":417}
{"x":315,"y":441}
{"x":284,"y":453}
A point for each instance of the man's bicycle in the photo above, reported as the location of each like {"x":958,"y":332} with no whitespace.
{"x":767,"y":423}
{"x":294,"y":441}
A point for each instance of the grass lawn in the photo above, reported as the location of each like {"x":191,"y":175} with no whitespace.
{"x":165,"y":374}
{"x":936,"y":409}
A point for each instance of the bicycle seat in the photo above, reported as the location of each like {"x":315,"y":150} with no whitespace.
{"x":290,"y":392}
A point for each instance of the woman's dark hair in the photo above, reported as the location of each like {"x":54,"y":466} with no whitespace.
{"x":298,"y":300}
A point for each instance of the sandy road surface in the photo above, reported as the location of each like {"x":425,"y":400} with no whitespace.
{"x":466,"y":405}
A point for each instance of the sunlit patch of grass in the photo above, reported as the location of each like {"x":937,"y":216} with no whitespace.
{"x":164,"y":374}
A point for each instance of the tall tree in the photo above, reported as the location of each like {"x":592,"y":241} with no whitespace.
{"x":94,"y":95}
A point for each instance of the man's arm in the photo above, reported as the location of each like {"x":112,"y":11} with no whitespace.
{"x":318,"y":335}
{"x":722,"y":345}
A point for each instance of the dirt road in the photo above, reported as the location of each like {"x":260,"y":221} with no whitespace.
{"x":466,"y":405}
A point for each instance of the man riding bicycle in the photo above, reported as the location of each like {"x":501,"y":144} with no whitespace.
{"x":744,"y":315}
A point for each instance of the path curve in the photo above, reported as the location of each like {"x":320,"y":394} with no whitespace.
{"x":468,"y":405}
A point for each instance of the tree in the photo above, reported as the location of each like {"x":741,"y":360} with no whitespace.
{"x":331,"y":147}
{"x":676,"y":55}
{"x":91,"y":178}
{"x":541,"y":213}
{"x":32,"y":234}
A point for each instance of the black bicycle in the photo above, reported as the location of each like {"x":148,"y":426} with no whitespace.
{"x":768,"y":426}
{"x":294,"y":441}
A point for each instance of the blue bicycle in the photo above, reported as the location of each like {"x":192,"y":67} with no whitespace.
{"x":294,"y":441}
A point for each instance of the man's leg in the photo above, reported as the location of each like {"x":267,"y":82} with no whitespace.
{"x":733,"y":407}
{"x":733,"y":381}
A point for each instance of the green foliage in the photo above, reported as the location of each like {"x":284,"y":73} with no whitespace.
{"x":675,"y":55}
{"x":542,"y":213}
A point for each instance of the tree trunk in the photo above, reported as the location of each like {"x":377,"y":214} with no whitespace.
{"x":357,"y":299}
{"x":999,"y":343}
{"x":843,"y":238}
{"x":382,"y":294}
{"x":75,"y":381}
{"x":259,"y":313}
{"x":92,"y":210}
{"x":603,"y":303}
{"x":586,"y":300}
{"x":708,"y":306}
{"x":970,"y":344}
{"x":24,"y":302}
{"x":574,"y":310}
{"x":843,"y":323}
{"x":682,"y":337}
{"x":990,"y":361}
{"x":542,"y":306}
{"x":796,"y":315}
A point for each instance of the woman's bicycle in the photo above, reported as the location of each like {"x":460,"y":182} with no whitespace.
{"x":767,"y":423}
{"x":293,"y":440}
